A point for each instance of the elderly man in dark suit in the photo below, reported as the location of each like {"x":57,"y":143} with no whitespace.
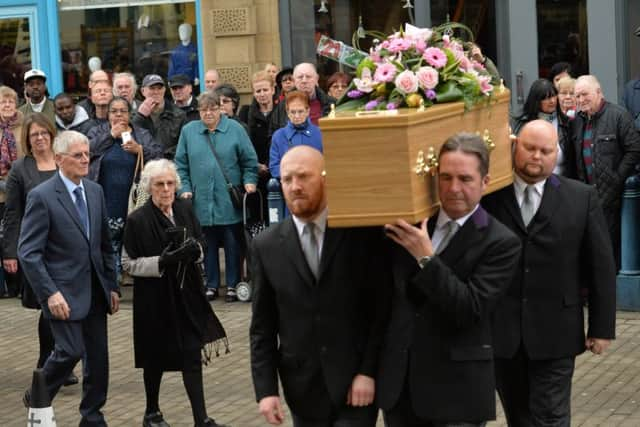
{"x":319,"y":308}
{"x":66,"y":253}
{"x":436,"y":365}
{"x":539,"y":326}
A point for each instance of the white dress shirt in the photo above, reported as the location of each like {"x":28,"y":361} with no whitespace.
{"x":536,"y":196}
{"x":441,"y":226}
{"x":321,"y":224}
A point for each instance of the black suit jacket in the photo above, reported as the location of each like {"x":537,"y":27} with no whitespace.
{"x":439,"y":337}
{"x":565,"y":247}
{"x":316,"y":336}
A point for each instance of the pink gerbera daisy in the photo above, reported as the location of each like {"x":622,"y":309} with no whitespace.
{"x":435,"y":57}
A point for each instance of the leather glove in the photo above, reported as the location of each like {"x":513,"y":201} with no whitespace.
{"x":191,"y":249}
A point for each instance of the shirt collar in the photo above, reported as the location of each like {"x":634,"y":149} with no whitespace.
{"x":443,"y":218}
{"x":70,"y":185}
{"x":320,"y":221}
{"x":519,"y":185}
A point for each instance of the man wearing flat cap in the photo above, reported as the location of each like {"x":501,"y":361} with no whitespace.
{"x":182,"y":94}
{"x":35,"y":89}
{"x":163,"y":119}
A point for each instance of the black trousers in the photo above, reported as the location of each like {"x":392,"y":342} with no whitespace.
{"x":347,"y":416}
{"x":403,"y":415}
{"x":535,"y":393}
{"x":84,"y":339}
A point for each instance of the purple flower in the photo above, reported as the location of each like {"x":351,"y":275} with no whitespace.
{"x":391,"y":106}
{"x":355,"y":93}
{"x":431,"y":94}
{"x":371,"y":105}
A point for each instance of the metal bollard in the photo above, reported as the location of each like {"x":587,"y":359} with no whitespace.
{"x":275,"y":201}
{"x":628,"y":281}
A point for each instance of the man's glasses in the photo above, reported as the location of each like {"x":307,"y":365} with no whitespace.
{"x":78,"y":156}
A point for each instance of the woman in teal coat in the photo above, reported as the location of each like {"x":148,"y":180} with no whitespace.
{"x":205,"y":183}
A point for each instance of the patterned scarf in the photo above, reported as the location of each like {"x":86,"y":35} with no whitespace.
{"x":8,"y":147}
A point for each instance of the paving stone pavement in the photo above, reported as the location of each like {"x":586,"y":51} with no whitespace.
{"x":605,"y":393}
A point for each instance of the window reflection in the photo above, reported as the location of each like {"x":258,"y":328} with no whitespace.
{"x":15,"y":52}
{"x":139,"y":39}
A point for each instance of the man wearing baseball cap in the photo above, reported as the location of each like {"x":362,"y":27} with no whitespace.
{"x":182,"y":93}
{"x":163,"y":119}
{"x":35,"y":91}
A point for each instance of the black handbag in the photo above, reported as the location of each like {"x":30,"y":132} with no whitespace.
{"x":236,"y":192}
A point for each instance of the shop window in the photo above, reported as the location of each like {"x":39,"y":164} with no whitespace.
{"x":15,"y":52}
{"x":478,"y":15}
{"x":339,"y":19}
{"x":562,"y":35}
{"x":141,"y":37}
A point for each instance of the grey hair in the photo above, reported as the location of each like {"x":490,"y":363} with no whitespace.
{"x":468,"y":143}
{"x":64,"y":140}
{"x":208,"y":98}
{"x":128,"y":75}
{"x":155,"y":168}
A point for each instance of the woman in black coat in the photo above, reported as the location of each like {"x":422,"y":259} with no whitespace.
{"x":36,"y":166}
{"x":113,"y":163}
{"x":173,"y":323}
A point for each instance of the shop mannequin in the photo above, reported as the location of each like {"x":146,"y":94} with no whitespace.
{"x":184,"y":58}
{"x":94,"y":64}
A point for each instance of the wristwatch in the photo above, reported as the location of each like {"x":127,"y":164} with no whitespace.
{"x":422,"y":262}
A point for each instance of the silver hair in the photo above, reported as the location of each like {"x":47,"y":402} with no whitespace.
{"x":208,"y":98}
{"x":155,"y":168}
{"x":128,"y":75}
{"x":64,"y":140}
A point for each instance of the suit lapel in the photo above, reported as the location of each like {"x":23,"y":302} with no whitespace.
{"x":67,"y":204}
{"x":466,"y":237}
{"x":290,"y":241}
{"x":332,"y":239}
{"x":513,"y":209}
{"x":92,"y":207}
{"x":548,"y":205}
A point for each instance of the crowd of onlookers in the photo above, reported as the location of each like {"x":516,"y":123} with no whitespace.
{"x":129,"y":123}
{"x":598,"y":141}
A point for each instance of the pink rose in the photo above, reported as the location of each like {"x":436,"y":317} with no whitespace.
{"x":435,"y":57}
{"x":485,"y":84}
{"x":407,"y":82}
{"x":420,"y":45}
{"x":427,"y":77}
{"x":399,"y":45}
{"x":385,"y":73}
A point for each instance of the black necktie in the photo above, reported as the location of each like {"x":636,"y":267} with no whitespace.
{"x":81,"y":206}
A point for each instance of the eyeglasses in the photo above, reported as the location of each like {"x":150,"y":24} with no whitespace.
{"x":78,"y":156}
{"x":298,"y":112}
{"x":225,"y":101}
{"x":287,"y":79}
{"x":119,"y":111}
{"x":42,"y":133}
{"x":338,"y":86}
{"x":162,"y":184}
{"x":209,"y":109}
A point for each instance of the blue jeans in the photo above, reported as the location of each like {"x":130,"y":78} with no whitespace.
{"x":226,"y":235}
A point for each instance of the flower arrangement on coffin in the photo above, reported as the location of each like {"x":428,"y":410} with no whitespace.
{"x":418,"y":66}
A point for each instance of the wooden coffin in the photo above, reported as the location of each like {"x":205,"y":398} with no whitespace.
{"x":372,"y":161}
